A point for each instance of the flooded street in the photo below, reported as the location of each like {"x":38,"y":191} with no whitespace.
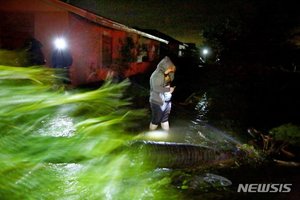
{"x":216,"y":181}
{"x":63,"y":145}
{"x":149,"y":100}
{"x":216,"y":113}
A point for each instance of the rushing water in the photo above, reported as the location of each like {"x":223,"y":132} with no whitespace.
{"x":188,"y":127}
{"x":219,"y":118}
{"x":90,"y":162}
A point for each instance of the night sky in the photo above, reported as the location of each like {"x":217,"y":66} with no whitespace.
{"x":180,"y":19}
{"x":185,"y":20}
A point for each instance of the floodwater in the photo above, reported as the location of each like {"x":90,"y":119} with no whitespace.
{"x":194,"y":128}
{"x":202,"y":184}
{"x":198,"y":130}
{"x":215,"y":111}
{"x":199,"y":123}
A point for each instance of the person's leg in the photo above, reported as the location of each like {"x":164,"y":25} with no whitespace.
{"x":165,"y":119}
{"x":152,"y":127}
{"x":165,"y":126}
{"x":155,"y":117}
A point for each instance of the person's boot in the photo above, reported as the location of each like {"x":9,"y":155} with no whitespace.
{"x":152,"y":127}
{"x":165,"y":126}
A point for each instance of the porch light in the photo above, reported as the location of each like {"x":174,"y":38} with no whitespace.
{"x":60,"y":43}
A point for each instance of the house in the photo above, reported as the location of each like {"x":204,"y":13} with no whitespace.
{"x":97,"y":45}
{"x":173,"y":46}
{"x":182,"y":53}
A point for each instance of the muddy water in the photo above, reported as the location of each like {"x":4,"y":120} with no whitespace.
{"x":216,"y":111}
{"x":201,"y":123}
{"x":193,"y":128}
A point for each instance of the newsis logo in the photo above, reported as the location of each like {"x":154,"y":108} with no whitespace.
{"x":264,"y":187}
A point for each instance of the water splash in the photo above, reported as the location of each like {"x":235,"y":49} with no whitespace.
{"x":58,"y":126}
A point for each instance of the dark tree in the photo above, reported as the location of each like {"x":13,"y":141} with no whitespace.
{"x":255,"y":31}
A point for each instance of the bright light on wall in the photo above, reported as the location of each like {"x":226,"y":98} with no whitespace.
{"x":60,"y":43}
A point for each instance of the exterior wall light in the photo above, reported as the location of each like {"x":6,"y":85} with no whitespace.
{"x":60,"y":43}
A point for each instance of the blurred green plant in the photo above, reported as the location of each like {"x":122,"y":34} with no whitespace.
{"x":58,"y":144}
{"x":13,"y":58}
{"x":249,"y":155}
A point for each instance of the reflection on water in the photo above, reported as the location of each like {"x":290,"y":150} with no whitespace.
{"x":212,"y":179}
{"x":159,"y":135}
{"x":190,"y":133}
{"x":59,"y":125}
{"x":201,"y":108}
{"x":194,"y":128}
{"x":69,"y":174}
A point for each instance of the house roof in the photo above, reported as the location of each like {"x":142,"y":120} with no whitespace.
{"x":160,"y":35}
{"x":101,"y":20}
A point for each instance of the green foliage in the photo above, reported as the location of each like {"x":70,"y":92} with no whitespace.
{"x":57,"y":144}
{"x":287,"y":132}
{"x":250,"y":151}
{"x":13,"y":58}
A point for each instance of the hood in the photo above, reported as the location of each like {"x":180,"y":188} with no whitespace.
{"x":164,"y":64}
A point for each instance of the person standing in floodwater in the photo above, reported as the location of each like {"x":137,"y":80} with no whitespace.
{"x":161,"y":93}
